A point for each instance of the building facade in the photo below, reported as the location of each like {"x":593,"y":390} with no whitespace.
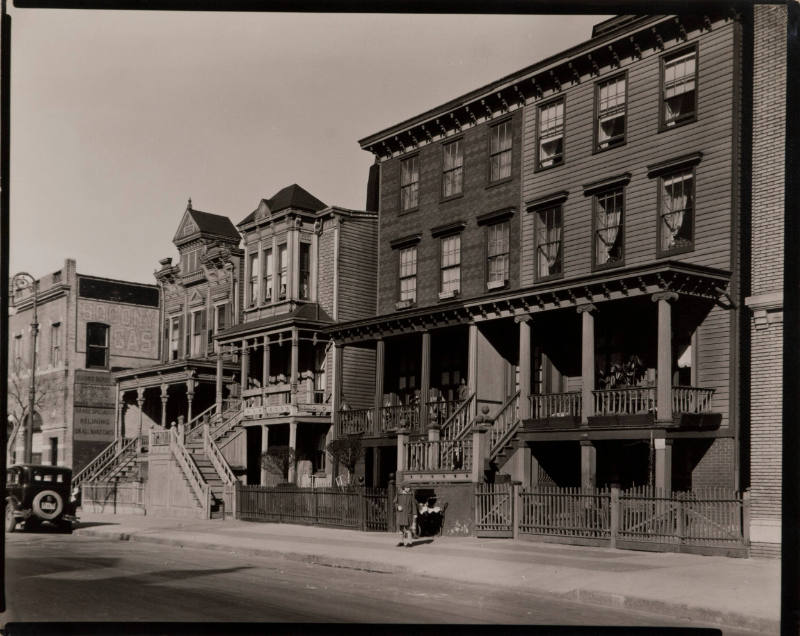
{"x":89,"y":327}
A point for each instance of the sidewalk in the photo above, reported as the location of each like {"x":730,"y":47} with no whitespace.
{"x":741,"y":593}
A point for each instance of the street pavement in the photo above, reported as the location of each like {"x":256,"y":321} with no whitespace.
{"x":742,"y":593}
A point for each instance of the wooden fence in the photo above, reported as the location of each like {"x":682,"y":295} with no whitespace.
{"x":710,"y":521}
{"x":359,"y":508}
{"x":112,"y":497}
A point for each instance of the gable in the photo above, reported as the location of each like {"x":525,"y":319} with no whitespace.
{"x":187,"y":227}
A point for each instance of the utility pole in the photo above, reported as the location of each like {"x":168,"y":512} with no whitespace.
{"x":19,"y":282}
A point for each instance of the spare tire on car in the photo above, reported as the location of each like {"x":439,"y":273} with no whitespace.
{"x":47,"y":505}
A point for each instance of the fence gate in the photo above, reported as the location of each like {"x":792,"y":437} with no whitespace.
{"x":376,"y":508}
{"x":494,"y":510}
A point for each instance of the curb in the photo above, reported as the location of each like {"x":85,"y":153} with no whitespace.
{"x":578,"y":595}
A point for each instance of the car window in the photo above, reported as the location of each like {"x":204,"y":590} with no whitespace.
{"x":12,"y":477}
{"x":60,"y":478}
{"x":37,"y":477}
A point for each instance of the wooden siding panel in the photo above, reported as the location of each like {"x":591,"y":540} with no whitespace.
{"x":325,"y":267}
{"x":358,"y":373}
{"x":358,"y":254}
{"x":713,"y":364}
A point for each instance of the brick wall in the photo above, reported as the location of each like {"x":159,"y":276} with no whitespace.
{"x":715,"y":468}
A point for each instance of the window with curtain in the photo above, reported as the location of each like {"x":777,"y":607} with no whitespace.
{"x":679,"y":81}
{"x":451,"y":264}
{"x":677,"y":211}
{"x":608,"y":210}
{"x":497,"y":254}
{"x":452,"y":170}
{"x":268,"y":275}
{"x":96,"y":345}
{"x":548,"y":241}
{"x":408,"y":274}
{"x":551,"y":134}
{"x":252,"y":283}
{"x":611,"y":112}
{"x":283,"y":270}
{"x":174,"y":337}
{"x":55,"y":344}
{"x":409,"y":183}
{"x":500,"y":151}
{"x":305,"y":271}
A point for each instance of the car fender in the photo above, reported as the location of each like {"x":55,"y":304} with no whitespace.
{"x":48,"y":505}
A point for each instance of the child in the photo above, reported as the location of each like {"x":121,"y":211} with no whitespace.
{"x":405,"y":508}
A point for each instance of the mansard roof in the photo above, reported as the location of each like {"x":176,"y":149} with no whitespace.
{"x":293,"y":196}
{"x":196,"y":223}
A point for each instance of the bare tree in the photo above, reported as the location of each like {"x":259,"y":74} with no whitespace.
{"x":19,"y":400}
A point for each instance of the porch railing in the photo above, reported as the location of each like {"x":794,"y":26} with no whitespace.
{"x":626,"y":401}
{"x":191,"y":472}
{"x":404,"y":417}
{"x":109,"y":459}
{"x":93,"y":466}
{"x":196,"y":423}
{"x":556,"y":405}
{"x":353,"y":421}
{"x":159,"y":438}
{"x":432,"y":456}
{"x":217,"y":459}
{"x":691,"y":399}
{"x":505,"y":422}
{"x":457,"y":425}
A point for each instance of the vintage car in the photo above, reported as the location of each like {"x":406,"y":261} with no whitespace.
{"x":39,"y":496}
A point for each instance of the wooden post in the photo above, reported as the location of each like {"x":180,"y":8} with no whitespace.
{"x":140,"y":404}
{"x":614,"y":514}
{"x":433,"y":449}
{"x":746,"y":518}
{"x":336,"y":397}
{"x":189,"y":399}
{"x":472,"y":360}
{"x":219,"y":380}
{"x":402,"y":440}
{"x":425,"y":379}
{"x":480,"y":448}
{"x":588,"y":464}
{"x":264,"y":449}
{"x":293,"y":445}
{"x":265,"y":363}
{"x":587,"y":361}
{"x":663,"y":464}
{"x":295,"y":361}
{"x":516,"y":508}
{"x":664,"y":365}
{"x":681,"y":516}
{"x":380,"y":363}
{"x":245,"y":364}
{"x":391,"y":491}
{"x":524,"y":367}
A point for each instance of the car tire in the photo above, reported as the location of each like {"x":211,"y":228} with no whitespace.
{"x":47,"y":496}
{"x":11,"y":520}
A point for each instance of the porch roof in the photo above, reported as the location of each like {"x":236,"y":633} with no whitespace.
{"x":175,"y":369}
{"x":683,"y":278}
{"x":306,"y":315}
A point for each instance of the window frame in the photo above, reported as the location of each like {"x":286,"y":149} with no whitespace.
{"x":445,"y":145}
{"x":55,"y":343}
{"x":538,"y":167}
{"x":267,"y":275}
{"x":196,"y":336}
{"x":412,"y":157}
{"x":93,"y":347}
{"x":684,"y":170}
{"x":283,"y":272}
{"x":504,"y":121}
{"x":174,"y":337}
{"x":662,"y":111}
{"x":504,"y":221}
{"x":537,"y":223}
{"x":301,"y":272}
{"x":401,"y":278}
{"x":253,"y":269}
{"x":442,"y":268}
{"x":619,"y":186}
{"x":596,"y":139}
{"x":220,"y":310}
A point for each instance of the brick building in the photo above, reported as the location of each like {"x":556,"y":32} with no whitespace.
{"x":89,"y":327}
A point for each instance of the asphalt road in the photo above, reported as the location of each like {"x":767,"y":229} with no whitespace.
{"x":51,"y":577}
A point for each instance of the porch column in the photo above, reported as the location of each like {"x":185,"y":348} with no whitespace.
{"x":402,"y":440}
{"x":376,"y":466}
{"x":380,"y":363}
{"x":434,"y":435}
{"x":524,"y":367}
{"x":336,"y":396}
{"x":293,"y":445}
{"x":587,"y":362}
{"x":294,"y":362}
{"x":472,"y":359}
{"x":120,"y":428}
{"x":264,"y":449}
{"x":425,"y":379}
{"x":219,"y":379}
{"x":140,"y":404}
{"x":664,"y":368}
{"x":164,"y":398}
{"x":663,"y":463}
{"x":588,"y":464}
{"x":265,"y":362}
{"x":520,"y":467}
{"x":189,"y":399}
{"x":245,"y":364}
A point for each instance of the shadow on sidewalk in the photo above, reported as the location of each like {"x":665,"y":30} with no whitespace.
{"x":91,"y":524}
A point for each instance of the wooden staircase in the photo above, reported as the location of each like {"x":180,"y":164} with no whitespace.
{"x":114,"y":460}
{"x":504,"y":434}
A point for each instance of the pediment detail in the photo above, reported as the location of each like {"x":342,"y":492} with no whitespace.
{"x":187,"y":227}
{"x":195,"y":298}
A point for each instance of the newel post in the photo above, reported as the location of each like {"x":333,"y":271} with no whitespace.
{"x":516,"y":500}
{"x":434,"y":435}
{"x":480,"y":447}
{"x":402,"y":440}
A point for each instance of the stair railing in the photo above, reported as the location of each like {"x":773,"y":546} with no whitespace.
{"x":226,"y":425}
{"x":217,"y":459}
{"x":104,"y":461}
{"x":504,"y":426}
{"x":457,"y":425}
{"x":196,"y":423}
{"x":191,"y":472}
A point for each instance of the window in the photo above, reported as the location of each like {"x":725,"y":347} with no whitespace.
{"x":268,"y":266}
{"x":198,"y":327}
{"x":409,"y":183}
{"x":551,"y":134}
{"x":219,"y":323}
{"x":252,"y":284}
{"x":497,"y":255}
{"x":96,"y":345}
{"x":679,"y":85}
{"x":548,"y":242}
{"x":305,"y":271}
{"x":283,"y":270}
{"x":608,"y":219}
{"x":610,"y":98}
{"x":319,"y":375}
{"x":452,"y":170}
{"x":55,"y":344}
{"x":174,"y":337}
{"x":500,"y":151}
{"x":18,"y":351}
{"x":676,"y":212}
{"x":190,"y":261}
{"x":451,"y":266}
{"x":408,"y":274}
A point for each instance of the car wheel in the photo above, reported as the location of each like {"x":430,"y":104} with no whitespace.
{"x":11,"y":520}
{"x":47,"y":505}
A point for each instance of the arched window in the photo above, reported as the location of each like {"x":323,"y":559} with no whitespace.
{"x":96,"y":345}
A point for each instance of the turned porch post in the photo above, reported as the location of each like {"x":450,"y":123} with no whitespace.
{"x":336,"y":397}
{"x":245,"y":364}
{"x":664,"y":368}
{"x":293,"y":445}
{"x":265,"y":362}
{"x":472,"y":359}
{"x":294,"y":364}
{"x":380,"y":363}
{"x":264,"y":449}
{"x":425,"y":379}
{"x":587,"y":312}
{"x":219,"y":380}
{"x":140,"y":404}
{"x":524,"y":367}
{"x":164,"y":398}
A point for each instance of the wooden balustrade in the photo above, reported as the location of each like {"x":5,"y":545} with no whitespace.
{"x":625,"y":401}
{"x":433,"y":456}
{"x":401,"y":417}
{"x":691,"y":399}
{"x":354,"y":421}
{"x":159,"y":438}
{"x":504,"y":423}
{"x":457,"y":425}
{"x":556,"y":405}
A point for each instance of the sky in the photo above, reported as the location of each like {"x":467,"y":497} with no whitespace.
{"x":117,"y":118}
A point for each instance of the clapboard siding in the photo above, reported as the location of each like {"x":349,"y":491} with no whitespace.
{"x":478,"y":198}
{"x":358,"y":253}
{"x":711,"y":134}
{"x":325,"y":267}
{"x":713,"y":359}
{"x":358,"y":371}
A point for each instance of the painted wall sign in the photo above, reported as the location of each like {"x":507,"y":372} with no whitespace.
{"x":133,"y":332}
{"x":93,"y":424}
